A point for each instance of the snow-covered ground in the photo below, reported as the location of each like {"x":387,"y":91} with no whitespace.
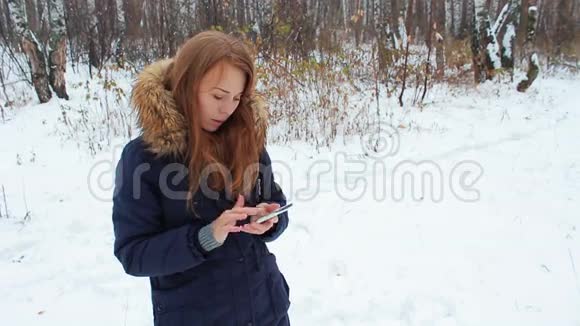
{"x":495,"y":243}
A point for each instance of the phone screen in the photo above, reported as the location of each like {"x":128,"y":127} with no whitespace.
{"x":274,"y":213}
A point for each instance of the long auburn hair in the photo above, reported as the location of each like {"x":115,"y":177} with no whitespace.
{"x":232,"y":150}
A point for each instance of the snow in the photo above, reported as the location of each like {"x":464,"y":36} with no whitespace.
{"x":535,"y":60}
{"x":352,"y":255}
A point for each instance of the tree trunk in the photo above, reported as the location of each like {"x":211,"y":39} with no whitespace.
{"x":31,"y":10}
{"x":485,"y":47}
{"x":57,"y":49}
{"x":510,"y":20}
{"x":429,"y":39}
{"x":409,"y":18}
{"x":394,"y":21}
{"x":452,"y":16}
{"x":421,"y":19}
{"x":507,"y":49}
{"x":522,"y":32}
{"x":241,"y":13}
{"x":502,"y":17}
{"x":404,"y":73}
{"x":121,"y":32}
{"x":476,"y":40}
{"x":344,"y":14}
{"x":32,"y":48}
{"x":357,"y":22}
{"x":531,"y":75}
{"x":439,"y":12}
{"x":565,"y":30}
{"x":464,"y":25}
{"x":533,"y":65}
{"x":91,"y":32}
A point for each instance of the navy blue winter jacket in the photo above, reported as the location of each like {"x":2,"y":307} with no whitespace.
{"x":156,"y":236}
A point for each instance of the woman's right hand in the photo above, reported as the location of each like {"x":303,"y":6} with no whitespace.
{"x":226,"y":222}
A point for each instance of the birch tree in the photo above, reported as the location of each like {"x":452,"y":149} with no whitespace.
{"x":439,"y":29}
{"x":488,"y":47}
{"x":533,"y":62}
{"x":121,"y":33}
{"x":33,"y":50}
{"x":57,"y":49}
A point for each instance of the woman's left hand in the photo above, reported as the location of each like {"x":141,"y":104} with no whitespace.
{"x":260,"y":228}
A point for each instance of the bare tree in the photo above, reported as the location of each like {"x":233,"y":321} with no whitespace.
{"x":533,"y":64}
{"x":566,"y":27}
{"x":429,"y":41}
{"x":522,"y":29}
{"x":508,"y":17}
{"x":394,"y":19}
{"x":466,"y":6}
{"x":405,"y":72}
{"x":57,"y":49}
{"x":485,"y":48}
{"x":138,"y":31}
{"x":33,"y":49}
{"x":120,"y":33}
{"x":421,"y":20}
{"x":409,"y":17}
{"x":90,"y":30}
{"x":439,"y":29}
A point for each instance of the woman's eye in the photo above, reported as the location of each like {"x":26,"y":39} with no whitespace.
{"x":217,"y":97}
{"x":236,"y":100}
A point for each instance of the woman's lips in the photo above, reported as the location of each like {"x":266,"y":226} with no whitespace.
{"x":217,"y":121}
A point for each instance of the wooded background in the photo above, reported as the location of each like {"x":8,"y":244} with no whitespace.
{"x":488,"y":35}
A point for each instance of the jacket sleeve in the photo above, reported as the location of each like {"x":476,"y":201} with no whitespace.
{"x":142,"y":244}
{"x":272,"y":193}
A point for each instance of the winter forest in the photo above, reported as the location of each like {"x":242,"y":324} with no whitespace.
{"x":446,"y":40}
{"x":429,"y":147}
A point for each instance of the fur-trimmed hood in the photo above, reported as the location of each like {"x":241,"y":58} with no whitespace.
{"x":164,"y":128}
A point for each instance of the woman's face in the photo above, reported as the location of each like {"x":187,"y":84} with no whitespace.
{"x":219,"y":94}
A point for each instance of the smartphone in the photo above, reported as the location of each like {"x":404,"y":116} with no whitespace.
{"x":274,"y":213}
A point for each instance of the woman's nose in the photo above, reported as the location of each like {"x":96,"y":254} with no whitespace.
{"x":227,"y":108}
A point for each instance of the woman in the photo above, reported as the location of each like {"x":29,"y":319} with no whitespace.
{"x":189,"y":189}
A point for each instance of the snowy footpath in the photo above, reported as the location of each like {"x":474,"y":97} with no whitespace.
{"x":490,"y":238}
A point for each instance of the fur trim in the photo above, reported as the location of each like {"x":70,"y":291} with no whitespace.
{"x":164,"y":129}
